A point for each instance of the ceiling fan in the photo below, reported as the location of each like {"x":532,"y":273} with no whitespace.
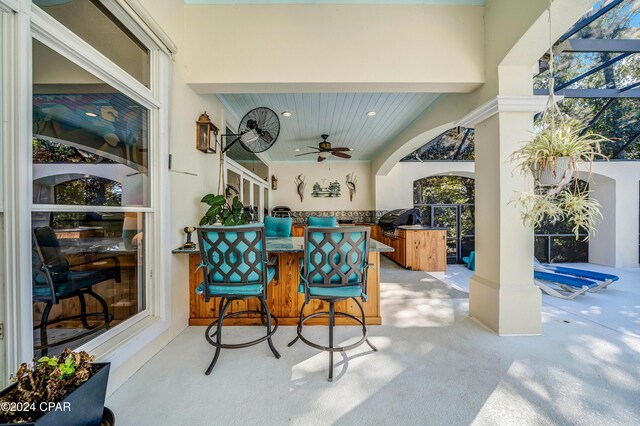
{"x":324,"y":147}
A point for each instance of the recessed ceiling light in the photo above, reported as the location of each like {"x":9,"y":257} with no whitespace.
{"x":286,"y":114}
{"x":371,"y":113}
{"x":350,"y":149}
{"x":297,"y":150}
{"x":91,"y":114}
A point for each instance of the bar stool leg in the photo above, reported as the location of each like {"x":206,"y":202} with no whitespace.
{"x":83,"y":311}
{"x":331,"y":322}
{"x":364,"y":326}
{"x":43,"y":329}
{"x":299,"y":329}
{"x":265,"y":308}
{"x":218,"y":337}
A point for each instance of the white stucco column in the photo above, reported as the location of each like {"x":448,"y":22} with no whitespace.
{"x":616,"y":242}
{"x":502,"y":295}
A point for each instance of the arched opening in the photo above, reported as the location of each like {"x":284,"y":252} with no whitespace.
{"x":556,"y":242}
{"x":449,"y":201}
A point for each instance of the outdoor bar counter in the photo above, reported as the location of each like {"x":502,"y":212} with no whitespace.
{"x":284,"y":299}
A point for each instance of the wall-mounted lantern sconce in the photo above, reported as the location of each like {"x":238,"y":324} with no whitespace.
{"x":274,"y":182}
{"x":204,"y":128}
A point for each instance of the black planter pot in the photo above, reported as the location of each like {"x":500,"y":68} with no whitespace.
{"x":85,"y":405}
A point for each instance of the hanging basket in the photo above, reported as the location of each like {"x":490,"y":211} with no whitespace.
{"x":555,"y":173}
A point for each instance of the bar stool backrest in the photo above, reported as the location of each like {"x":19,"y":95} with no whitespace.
{"x":278,"y":226}
{"x":336,"y":257}
{"x":233,"y":255}
{"x":322,"y":221}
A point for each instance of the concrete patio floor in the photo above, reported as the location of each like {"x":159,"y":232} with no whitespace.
{"x":435,"y":366}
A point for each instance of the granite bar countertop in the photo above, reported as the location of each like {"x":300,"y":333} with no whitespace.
{"x":291,"y":245}
{"x":422,"y":228}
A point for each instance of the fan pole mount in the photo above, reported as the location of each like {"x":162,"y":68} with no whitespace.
{"x":257,"y":132}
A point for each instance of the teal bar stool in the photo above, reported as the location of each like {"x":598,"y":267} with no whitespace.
{"x":325,"y":222}
{"x":334,"y":268}
{"x":278,"y":226}
{"x":235,"y":268}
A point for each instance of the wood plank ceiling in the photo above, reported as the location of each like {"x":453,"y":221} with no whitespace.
{"x":341,"y":115}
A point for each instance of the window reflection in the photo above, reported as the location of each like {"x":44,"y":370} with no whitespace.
{"x":90,"y":143}
{"x":96,"y":256}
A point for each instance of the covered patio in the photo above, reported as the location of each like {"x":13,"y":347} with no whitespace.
{"x":435,"y":366}
{"x":319,"y":212}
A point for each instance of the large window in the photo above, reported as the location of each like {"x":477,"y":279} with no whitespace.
{"x":95,"y":24}
{"x":91,"y":192}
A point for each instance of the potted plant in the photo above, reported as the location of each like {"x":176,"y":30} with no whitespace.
{"x":557,"y":150}
{"x":67,"y":390}
{"x":223,"y":212}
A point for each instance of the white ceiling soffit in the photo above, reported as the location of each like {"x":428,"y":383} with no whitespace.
{"x":341,"y":115}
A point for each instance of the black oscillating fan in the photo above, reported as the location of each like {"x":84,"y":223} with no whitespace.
{"x":258,"y":130}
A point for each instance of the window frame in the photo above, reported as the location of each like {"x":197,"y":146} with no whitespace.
{"x":29,"y":22}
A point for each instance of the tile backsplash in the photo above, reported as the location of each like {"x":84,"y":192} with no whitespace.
{"x":357,"y":216}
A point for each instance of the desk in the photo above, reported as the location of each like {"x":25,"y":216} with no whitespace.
{"x":284,"y":300}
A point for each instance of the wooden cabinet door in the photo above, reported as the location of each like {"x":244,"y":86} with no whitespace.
{"x":298,"y":231}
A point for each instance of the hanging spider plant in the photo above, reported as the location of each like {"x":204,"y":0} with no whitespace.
{"x":538,"y":208}
{"x":582,"y":210}
{"x":557,"y":150}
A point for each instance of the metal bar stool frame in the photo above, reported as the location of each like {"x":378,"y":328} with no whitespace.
{"x":207,"y":261}
{"x":359,"y":268}
{"x":41,"y":269}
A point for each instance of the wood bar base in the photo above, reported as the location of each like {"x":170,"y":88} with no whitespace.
{"x":284,"y":300}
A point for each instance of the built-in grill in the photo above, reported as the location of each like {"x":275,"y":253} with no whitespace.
{"x":391,"y":220}
{"x":281,"y":211}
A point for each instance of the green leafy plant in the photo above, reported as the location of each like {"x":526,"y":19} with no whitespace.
{"x":582,"y":210}
{"x":537,"y":208}
{"x":557,"y":138}
{"x":574,"y":206}
{"x":552,"y":199}
{"x":222,"y":212}
{"x":47,"y":380}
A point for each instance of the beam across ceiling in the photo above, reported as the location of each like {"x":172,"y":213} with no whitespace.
{"x":588,"y":45}
{"x":593,"y":93}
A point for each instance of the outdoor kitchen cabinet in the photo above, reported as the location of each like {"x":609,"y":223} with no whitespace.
{"x":416,"y":247}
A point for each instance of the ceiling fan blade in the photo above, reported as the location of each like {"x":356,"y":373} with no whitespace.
{"x":341,"y":154}
{"x":320,"y":158}
{"x":341,"y":148}
{"x":314,"y":147}
{"x":306,"y":153}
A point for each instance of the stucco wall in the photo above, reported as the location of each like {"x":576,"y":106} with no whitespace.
{"x":323,"y":173}
{"x":395,"y":190}
{"x":329,"y":47}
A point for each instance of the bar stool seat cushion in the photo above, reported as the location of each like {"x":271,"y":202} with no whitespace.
{"x":240,"y":290}
{"x":347,"y":291}
{"x":74,"y":281}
